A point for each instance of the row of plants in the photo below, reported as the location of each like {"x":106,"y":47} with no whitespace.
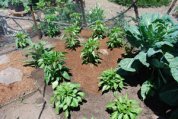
{"x":144,"y":3}
{"x":67,"y":96}
{"x":67,"y":13}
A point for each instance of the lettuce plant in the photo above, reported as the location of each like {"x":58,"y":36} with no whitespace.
{"x":95,"y":14}
{"x":35,"y":52}
{"x":67,"y":97}
{"x":124,"y":108}
{"x":90,"y":52}
{"x":116,"y":37}
{"x":99,"y":30}
{"x":71,"y":37}
{"x":52,"y":63}
{"x":22,"y":40}
{"x":110,"y":80}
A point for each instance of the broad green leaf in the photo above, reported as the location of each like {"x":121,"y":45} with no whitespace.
{"x":66,"y":75}
{"x":146,"y":89}
{"x":174,"y":68}
{"x":55,"y":84}
{"x":126,"y":64}
{"x":142,"y":58}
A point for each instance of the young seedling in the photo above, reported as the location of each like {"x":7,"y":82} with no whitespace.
{"x":22,"y":40}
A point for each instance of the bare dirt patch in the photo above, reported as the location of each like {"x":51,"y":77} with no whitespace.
{"x":20,"y":88}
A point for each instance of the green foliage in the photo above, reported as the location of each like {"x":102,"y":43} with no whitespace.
{"x":95,"y":14}
{"x":90,"y":53}
{"x":35,"y":52}
{"x":99,"y":29}
{"x":156,"y":39}
{"x":50,"y":28}
{"x":124,"y":108}
{"x":52,"y":63}
{"x":67,"y":97}
{"x":116,"y":37}
{"x":110,"y":80}
{"x":144,"y":3}
{"x":4,"y":3}
{"x":22,"y":40}
{"x":75,"y":19}
{"x":71,"y":36}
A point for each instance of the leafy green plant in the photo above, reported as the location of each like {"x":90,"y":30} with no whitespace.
{"x":116,"y":37}
{"x":75,"y":18}
{"x":52,"y":63}
{"x":90,"y":53}
{"x":71,"y":37}
{"x":36,"y":51}
{"x":110,"y":80}
{"x":22,"y":40}
{"x":67,"y":97}
{"x":156,"y":40}
{"x":48,"y":27}
{"x":95,"y":14}
{"x":124,"y":108}
{"x":99,"y":29}
{"x":144,"y":3}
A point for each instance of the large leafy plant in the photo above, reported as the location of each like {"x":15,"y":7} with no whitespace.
{"x":52,"y":63}
{"x":155,"y":37}
{"x":124,"y":108}
{"x":99,"y":29}
{"x":116,"y":37}
{"x":90,"y":52}
{"x":110,"y":80}
{"x":22,"y":40}
{"x":36,"y":50}
{"x":49,"y":27}
{"x":95,"y":14}
{"x":67,"y":97}
{"x":71,"y":36}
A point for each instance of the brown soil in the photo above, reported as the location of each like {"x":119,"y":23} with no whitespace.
{"x":17,"y":89}
{"x":87,"y":75}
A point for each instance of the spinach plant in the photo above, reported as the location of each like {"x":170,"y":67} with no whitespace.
{"x":110,"y":80}
{"x":52,"y":63}
{"x":71,"y":36}
{"x":48,"y":27}
{"x":116,"y":38}
{"x":124,"y":108}
{"x":95,"y":14}
{"x":90,"y":52}
{"x":67,"y":97}
{"x":35,"y":52}
{"x":99,"y":30}
{"x":22,"y":40}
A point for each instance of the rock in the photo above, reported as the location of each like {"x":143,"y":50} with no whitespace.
{"x":10,"y":75}
{"x":4,"y":59}
{"x":104,"y":51}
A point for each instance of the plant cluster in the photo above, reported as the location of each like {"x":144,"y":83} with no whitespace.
{"x":52,"y":63}
{"x":95,"y":14}
{"x":71,"y":36}
{"x":35,"y":52}
{"x":116,"y":37}
{"x":110,"y":80}
{"x":99,"y":30}
{"x":90,"y":53}
{"x":144,"y":3}
{"x":124,"y":108}
{"x":22,"y":40}
{"x":48,"y":27}
{"x":67,"y":97}
{"x":156,"y":40}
